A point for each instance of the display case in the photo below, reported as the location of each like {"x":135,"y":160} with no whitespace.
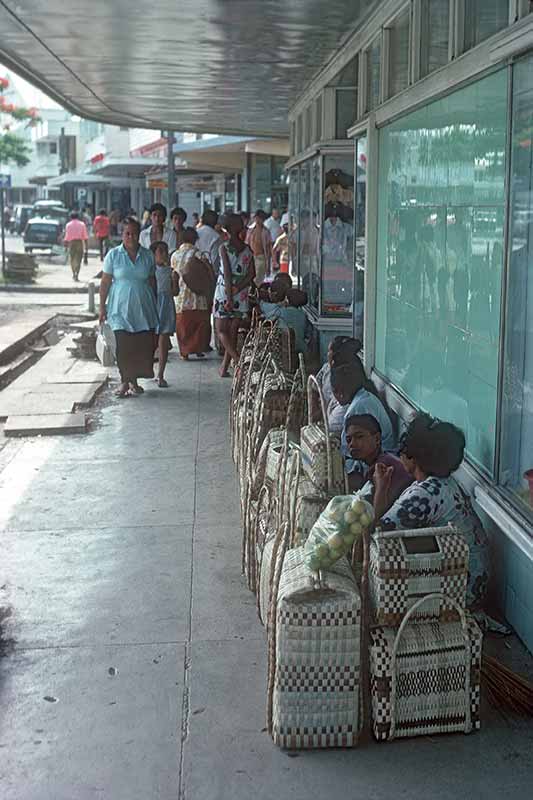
{"x":327,"y":197}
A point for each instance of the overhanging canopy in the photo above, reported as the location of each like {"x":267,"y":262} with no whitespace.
{"x":225,"y":66}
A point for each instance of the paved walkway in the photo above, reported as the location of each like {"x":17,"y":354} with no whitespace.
{"x":136,"y":666}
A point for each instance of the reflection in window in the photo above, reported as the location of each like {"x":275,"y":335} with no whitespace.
{"x":483,"y":18}
{"x":360,"y":234}
{"x":373,"y":74}
{"x":305,"y":226}
{"x":399,"y":53}
{"x":440,"y":238}
{"x":337,"y":235}
{"x":516,"y":469}
{"x":434,"y":35}
{"x":294,"y":211}
{"x":313,"y":289}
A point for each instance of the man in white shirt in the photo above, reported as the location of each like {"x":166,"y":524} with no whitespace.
{"x":157,"y":231}
{"x":209,"y":240}
{"x":272,"y":224}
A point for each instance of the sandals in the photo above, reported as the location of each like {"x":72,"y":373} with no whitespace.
{"x":135,"y":389}
{"x":200,"y":355}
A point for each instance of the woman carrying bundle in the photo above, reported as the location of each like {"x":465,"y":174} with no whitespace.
{"x":431,"y":451}
{"x":193,"y":320}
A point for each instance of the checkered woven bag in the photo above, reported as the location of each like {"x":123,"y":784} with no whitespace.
{"x":425,"y":676}
{"x":321,"y":451}
{"x":314,"y":656}
{"x":406,"y":565}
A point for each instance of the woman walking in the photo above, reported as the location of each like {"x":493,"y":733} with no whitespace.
{"x":165,"y":307}
{"x":128,"y":302}
{"x":236,"y":273}
{"x":76,"y":239}
{"x":193,"y":327}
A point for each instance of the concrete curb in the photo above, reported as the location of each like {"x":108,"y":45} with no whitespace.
{"x":36,"y":289}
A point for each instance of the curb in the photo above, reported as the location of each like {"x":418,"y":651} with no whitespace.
{"x":36,"y":289}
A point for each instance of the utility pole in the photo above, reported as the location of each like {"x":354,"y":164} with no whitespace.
{"x":171,"y":177}
{"x":2,"y":226}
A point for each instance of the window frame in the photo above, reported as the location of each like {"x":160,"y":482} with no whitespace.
{"x":386,"y":51}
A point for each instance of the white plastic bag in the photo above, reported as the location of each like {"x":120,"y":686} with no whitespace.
{"x":105,"y":345}
{"x":343,"y":521}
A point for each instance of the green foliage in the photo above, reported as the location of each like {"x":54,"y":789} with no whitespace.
{"x":14,"y":150}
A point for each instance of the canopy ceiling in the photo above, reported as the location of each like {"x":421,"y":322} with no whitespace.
{"x":225,"y":66}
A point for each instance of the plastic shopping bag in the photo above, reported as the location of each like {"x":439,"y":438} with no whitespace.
{"x":343,"y":522}
{"x":105,"y":345}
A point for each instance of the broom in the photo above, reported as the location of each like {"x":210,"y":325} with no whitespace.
{"x":506,"y":690}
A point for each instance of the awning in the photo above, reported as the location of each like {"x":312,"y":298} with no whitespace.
{"x":198,"y":65}
{"x":132,"y":167}
{"x":227,"y":153}
{"x":77,"y":179}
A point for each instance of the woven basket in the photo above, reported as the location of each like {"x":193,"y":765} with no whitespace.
{"x":321,"y":451}
{"x":401,"y":572}
{"x":314,"y":675}
{"x":425,"y":677}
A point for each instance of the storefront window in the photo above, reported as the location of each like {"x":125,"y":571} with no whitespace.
{"x":360,"y":234}
{"x":294,"y":212}
{"x":434,"y":35}
{"x":337,"y":235}
{"x":373,"y":55}
{"x":483,"y":18}
{"x":399,"y":53}
{"x":305,"y":226}
{"x":345,"y":84}
{"x":440,"y":245}
{"x":517,"y":412}
{"x":313,"y":288}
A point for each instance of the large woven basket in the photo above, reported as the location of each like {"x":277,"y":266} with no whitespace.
{"x":425,"y":676}
{"x":321,"y":450}
{"x":314,"y":675}
{"x":406,"y":565}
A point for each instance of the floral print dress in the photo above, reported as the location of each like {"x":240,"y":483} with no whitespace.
{"x":239,"y":265}
{"x":438,"y":501}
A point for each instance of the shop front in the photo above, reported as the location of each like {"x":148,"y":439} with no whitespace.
{"x":410,"y":198}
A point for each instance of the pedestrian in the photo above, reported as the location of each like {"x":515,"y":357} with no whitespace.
{"x":259,"y":241}
{"x":87,"y":218}
{"x":101,"y":227}
{"x":178,"y":217}
{"x":195,"y":219}
{"x":128,"y":303}
{"x":76,"y":239}
{"x":114,"y":219}
{"x":209,"y":240}
{"x":145,"y":219}
{"x":245,"y":216}
{"x":157,"y":231}
{"x":165,"y":307}
{"x":280,"y":249}
{"x":193,"y":311}
{"x":273,"y":225}
{"x":236,"y":274}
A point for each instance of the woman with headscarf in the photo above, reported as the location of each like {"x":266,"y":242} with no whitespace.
{"x":193,"y":311}
{"x":128,"y":303}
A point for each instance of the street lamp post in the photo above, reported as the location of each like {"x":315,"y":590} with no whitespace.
{"x":171,"y":177}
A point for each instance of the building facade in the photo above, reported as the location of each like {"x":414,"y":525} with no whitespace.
{"x":411,"y":209}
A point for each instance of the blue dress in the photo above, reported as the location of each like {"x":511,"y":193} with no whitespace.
{"x":131,"y":304}
{"x":165,"y":302}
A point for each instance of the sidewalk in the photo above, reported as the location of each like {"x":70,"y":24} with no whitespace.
{"x":54,"y":274}
{"x":135,"y":664}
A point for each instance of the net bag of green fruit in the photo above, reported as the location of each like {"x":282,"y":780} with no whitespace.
{"x":340,"y":525}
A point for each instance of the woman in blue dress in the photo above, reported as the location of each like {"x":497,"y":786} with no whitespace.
{"x":430,"y":451}
{"x":128,"y":303}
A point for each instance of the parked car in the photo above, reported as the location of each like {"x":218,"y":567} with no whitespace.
{"x":50,"y":208}
{"x":43,"y":233}
{"x":21,"y":215}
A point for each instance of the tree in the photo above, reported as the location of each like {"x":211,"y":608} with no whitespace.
{"x":13,"y":149}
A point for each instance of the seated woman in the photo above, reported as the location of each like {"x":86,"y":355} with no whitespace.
{"x":356,"y":395}
{"x":285,"y":306}
{"x":430,"y":451}
{"x":363,"y":439}
{"x":341,"y":350}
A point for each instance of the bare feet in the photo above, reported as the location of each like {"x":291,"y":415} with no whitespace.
{"x":161,"y":382}
{"x":223,"y":372}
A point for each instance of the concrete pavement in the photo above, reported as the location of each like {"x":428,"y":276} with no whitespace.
{"x":135,"y":664}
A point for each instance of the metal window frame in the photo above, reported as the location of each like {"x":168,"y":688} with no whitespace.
{"x":386,"y":47}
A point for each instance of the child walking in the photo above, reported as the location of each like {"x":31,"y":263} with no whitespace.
{"x":165,"y":306}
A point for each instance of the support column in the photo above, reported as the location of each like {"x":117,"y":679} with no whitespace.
{"x":171,"y":176}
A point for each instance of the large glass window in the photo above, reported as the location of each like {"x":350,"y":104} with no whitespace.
{"x":440,"y":244}
{"x":294,"y":215}
{"x":434,"y":35}
{"x":516,"y":469}
{"x":305,"y":226}
{"x":337,"y":235}
{"x":373,"y":74}
{"x":399,"y":53}
{"x":483,"y":18}
{"x":359,"y":234}
{"x":345,"y":98}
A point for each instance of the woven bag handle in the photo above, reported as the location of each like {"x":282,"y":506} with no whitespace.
{"x":462,"y":617}
{"x":312,"y":383}
{"x":264,"y":492}
{"x":296,"y":471}
{"x":278,"y":556}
